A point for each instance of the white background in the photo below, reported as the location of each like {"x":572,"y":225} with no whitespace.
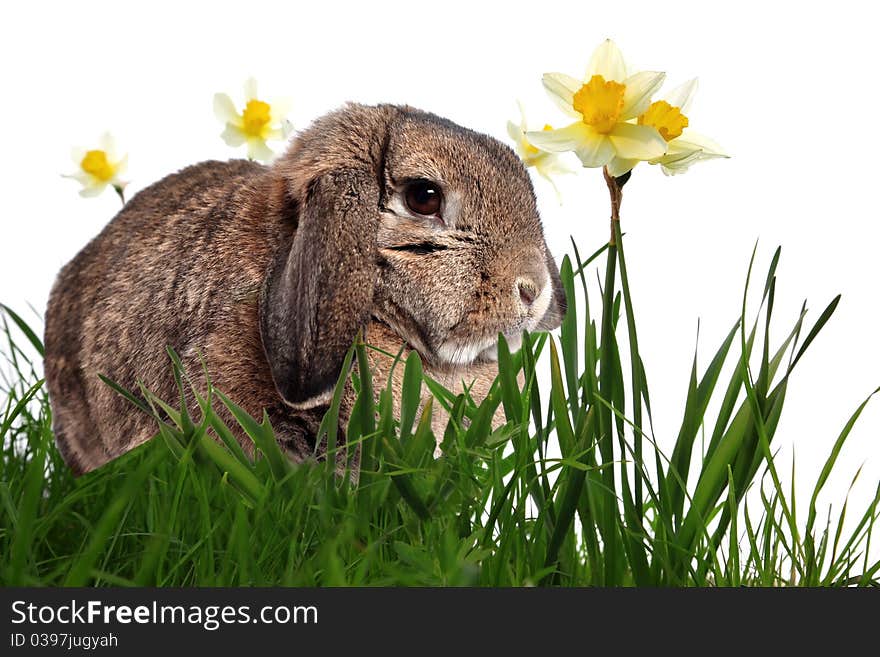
{"x":789,"y":89}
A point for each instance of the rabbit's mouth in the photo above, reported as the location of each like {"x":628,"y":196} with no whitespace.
{"x":514,"y":342}
{"x":462,"y":350}
{"x":462,"y":354}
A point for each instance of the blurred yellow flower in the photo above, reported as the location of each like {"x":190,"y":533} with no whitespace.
{"x":604,"y":104}
{"x":258,"y":122}
{"x":545,"y":163}
{"x":685,"y":147}
{"x":99,"y":168}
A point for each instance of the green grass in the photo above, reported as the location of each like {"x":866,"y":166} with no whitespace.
{"x":571,"y":491}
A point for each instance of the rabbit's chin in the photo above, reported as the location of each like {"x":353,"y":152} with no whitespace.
{"x":464,"y":354}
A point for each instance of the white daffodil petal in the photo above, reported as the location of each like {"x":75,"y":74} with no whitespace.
{"x":92,"y":190}
{"x":545,"y":167}
{"x":595,"y":151}
{"x":639,"y":89}
{"x":690,"y":140}
{"x":80,"y":176}
{"x":619,"y":166}
{"x":286,"y":128}
{"x":637,"y":142}
{"x":546,"y":176}
{"x":563,"y":81}
{"x":276,"y":134}
{"x":679,"y":161}
{"x":672,"y":165}
{"x":514,"y":132}
{"x":561,"y":89}
{"x":77,"y":154}
{"x":522,"y":116}
{"x":250,"y":89}
{"x":557,"y":167}
{"x":569,"y":138}
{"x":279,"y":109}
{"x":670,"y":171}
{"x":224,"y":108}
{"x":676,"y":150}
{"x":607,"y":61}
{"x":121,"y":165}
{"x":107,"y":144}
{"x":686,"y":151}
{"x":233,"y":136}
{"x":257,"y":150}
{"x":682,"y":96}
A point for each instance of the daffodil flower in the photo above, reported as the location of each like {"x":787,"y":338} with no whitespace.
{"x":258,"y":122}
{"x":685,"y":147}
{"x":545,"y":163}
{"x":604,"y":104}
{"x":99,"y":168}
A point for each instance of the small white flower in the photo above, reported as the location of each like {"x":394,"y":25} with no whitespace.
{"x":258,"y":122}
{"x":545,"y":163}
{"x":99,"y":168}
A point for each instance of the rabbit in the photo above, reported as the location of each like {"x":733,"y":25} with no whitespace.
{"x":383,"y":219}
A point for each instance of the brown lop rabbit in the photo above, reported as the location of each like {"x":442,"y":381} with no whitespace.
{"x":388,"y":219}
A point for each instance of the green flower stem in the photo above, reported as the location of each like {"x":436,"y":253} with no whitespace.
{"x":120,"y":192}
{"x":606,"y":382}
{"x":639,"y":385}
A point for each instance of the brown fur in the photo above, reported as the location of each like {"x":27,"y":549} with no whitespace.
{"x":270,"y":272}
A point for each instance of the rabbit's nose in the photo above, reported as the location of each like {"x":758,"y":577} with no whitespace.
{"x":528,"y":291}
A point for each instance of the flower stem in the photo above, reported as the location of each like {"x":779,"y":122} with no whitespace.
{"x":615,"y":188}
{"x":120,"y":192}
{"x":607,"y":383}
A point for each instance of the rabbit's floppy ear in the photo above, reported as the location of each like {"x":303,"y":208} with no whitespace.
{"x":319,"y":292}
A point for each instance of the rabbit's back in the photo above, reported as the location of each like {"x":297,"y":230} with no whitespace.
{"x":167,"y":271}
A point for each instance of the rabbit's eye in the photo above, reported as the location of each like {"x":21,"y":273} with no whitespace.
{"x":424,"y":197}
